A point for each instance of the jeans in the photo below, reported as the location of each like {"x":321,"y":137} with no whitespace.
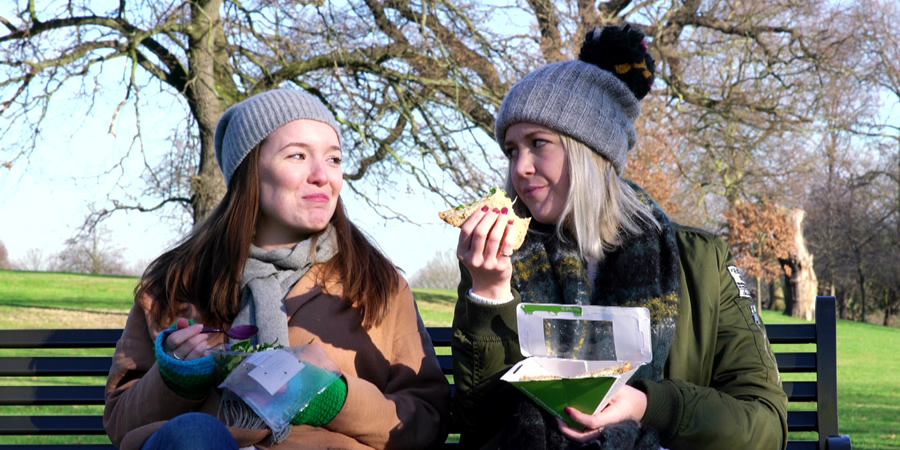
{"x":194,"y":431}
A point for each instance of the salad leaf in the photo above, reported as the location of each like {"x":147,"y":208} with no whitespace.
{"x":227,"y":361}
{"x":491,"y":192}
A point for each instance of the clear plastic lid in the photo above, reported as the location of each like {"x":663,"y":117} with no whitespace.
{"x":584,"y":332}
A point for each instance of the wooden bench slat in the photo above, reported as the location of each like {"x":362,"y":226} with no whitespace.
{"x":803,"y":445}
{"x":52,"y":395}
{"x":791,"y":333}
{"x":56,"y":366}
{"x":820,"y":420}
{"x":446,"y":362}
{"x":796,"y":362}
{"x":801,"y":391}
{"x":60,"y":338}
{"x":86,"y":424}
{"x":440,"y":336}
{"x":802,"y":421}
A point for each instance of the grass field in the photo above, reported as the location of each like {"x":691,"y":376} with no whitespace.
{"x":868,"y":367}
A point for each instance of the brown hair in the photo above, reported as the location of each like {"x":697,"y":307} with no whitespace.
{"x":367,"y":277}
{"x":205,"y":268}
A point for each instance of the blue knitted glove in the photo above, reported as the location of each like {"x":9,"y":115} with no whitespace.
{"x":189,"y":379}
{"x":324,"y":406}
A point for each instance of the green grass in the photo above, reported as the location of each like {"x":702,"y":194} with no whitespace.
{"x":868,"y":367}
{"x":435,"y":306}
{"x":66,"y":290}
{"x":868,"y":372}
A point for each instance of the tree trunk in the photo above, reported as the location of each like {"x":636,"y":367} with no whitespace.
{"x":861,"y":281}
{"x":758,"y":294}
{"x":803,"y":283}
{"x":205,"y":44}
{"x":788,"y":295}
{"x":776,"y":295}
{"x":841,"y":296}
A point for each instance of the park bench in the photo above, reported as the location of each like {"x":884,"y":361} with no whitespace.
{"x":822,"y":362}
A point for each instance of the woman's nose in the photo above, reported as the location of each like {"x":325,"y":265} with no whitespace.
{"x":317,"y":173}
{"x":523,"y":164}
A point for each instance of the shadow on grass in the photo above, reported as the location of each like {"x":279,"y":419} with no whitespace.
{"x":29,"y":305}
{"x":442,"y":297}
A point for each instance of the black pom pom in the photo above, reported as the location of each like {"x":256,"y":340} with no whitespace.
{"x":622,"y":51}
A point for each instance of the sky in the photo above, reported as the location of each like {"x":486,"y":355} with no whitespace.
{"x":44,"y":198}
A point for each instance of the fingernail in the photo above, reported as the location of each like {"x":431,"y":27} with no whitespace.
{"x":505,"y":210}
{"x":510,"y":221}
{"x":485,"y":208}
{"x":496,"y":211}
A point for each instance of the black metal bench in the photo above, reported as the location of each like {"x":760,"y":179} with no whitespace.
{"x":822,"y":362}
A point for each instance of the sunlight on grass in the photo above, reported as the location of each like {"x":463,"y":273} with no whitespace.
{"x":868,"y":375}
{"x":868,"y":369}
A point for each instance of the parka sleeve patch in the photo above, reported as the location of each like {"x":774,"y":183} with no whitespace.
{"x":738,"y":281}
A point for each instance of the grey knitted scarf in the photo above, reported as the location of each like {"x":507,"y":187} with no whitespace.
{"x":268,"y":277}
{"x":643,"y":271}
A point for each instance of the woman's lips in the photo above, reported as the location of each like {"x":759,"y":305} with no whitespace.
{"x":316,"y":197}
{"x":530,"y":191}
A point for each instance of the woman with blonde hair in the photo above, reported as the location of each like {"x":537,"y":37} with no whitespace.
{"x":598,"y":239}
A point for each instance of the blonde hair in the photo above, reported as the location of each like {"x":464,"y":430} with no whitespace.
{"x":601,"y":208}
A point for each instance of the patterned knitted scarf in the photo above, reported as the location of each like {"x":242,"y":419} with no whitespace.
{"x":643,"y":271}
{"x":268,"y":277}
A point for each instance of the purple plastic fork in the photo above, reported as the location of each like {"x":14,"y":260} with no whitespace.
{"x":239,"y":332}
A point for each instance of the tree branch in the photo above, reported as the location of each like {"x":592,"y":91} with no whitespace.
{"x":548,"y":26}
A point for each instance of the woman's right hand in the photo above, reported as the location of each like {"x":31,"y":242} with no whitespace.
{"x":485,"y":251}
{"x":186,"y":342}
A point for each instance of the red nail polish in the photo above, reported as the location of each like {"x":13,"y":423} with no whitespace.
{"x":510,"y":222}
{"x":496,"y":211}
{"x":485,"y":208}
{"x":505,"y":210}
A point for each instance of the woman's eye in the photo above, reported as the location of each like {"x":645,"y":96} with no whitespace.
{"x":539,"y":143}
{"x":299,"y":156}
{"x":511,"y":153}
{"x":335,"y":160}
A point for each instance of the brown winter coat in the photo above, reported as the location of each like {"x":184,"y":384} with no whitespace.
{"x":397,"y":396}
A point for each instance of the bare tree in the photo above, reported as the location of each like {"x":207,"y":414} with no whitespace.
{"x":441,"y":272}
{"x":410,"y":92}
{"x":138,"y":267}
{"x":33,"y":260}
{"x":855,"y":199}
{"x":747,"y":91}
{"x":94,"y":255}
{"x":416,"y":84}
{"x":853,"y":230}
{"x":4,"y":257}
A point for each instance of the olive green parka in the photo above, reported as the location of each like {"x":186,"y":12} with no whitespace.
{"x":721,"y":386}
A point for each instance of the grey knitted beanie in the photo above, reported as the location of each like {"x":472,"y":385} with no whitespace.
{"x":245,"y":124}
{"x":577,"y":99}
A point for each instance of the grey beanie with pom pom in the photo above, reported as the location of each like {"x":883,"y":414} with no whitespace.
{"x":577,"y":99}
{"x":245,"y":124}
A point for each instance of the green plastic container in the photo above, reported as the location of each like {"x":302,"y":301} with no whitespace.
{"x":570,"y":341}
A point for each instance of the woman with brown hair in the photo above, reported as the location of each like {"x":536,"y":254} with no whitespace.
{"x":279,"y":253}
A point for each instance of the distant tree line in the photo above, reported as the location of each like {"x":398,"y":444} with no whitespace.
{"x":94,"y":254}
{"x":770,"y":122}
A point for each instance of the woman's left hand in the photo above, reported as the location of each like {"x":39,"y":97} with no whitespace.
{"x":187,"y":342}
{"x":627,"y":403}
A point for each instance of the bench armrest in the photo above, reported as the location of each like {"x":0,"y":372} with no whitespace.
{"x":841,"y":442}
